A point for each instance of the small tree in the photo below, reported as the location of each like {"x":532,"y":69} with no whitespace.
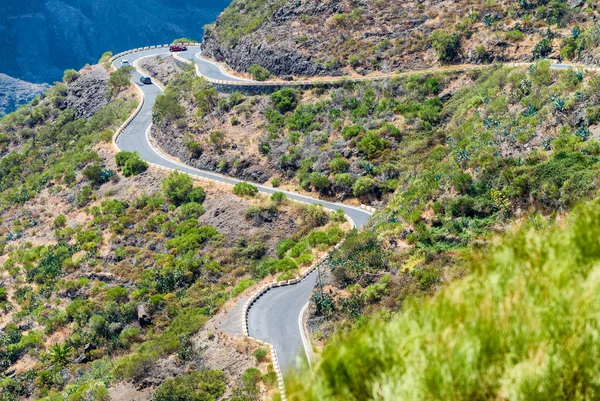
{"x":217,"y":138}
{"x":167,"y":108}
{"x":446,"y":45}
{"x":542,"y":48}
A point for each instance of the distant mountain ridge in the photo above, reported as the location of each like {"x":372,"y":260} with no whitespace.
{"x":40,"y":39}
{"x":15,"y":92}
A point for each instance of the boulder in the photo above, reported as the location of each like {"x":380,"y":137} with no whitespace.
{"x":144,"y":317}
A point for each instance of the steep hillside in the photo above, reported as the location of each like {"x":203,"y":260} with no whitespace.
{"x":72,"y":33}
{"x":315,"y":37}
{"x":117,"y":278}
{"x":449,"y":157}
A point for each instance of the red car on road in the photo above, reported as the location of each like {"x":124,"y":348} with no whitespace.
{"x":177,"y":48}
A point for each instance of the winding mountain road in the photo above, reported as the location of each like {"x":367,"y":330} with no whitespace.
{"x":274,"y":318}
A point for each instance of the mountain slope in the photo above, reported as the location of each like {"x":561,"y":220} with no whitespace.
{"x":314,"y":37}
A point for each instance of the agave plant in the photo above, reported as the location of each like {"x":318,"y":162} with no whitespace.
{"x":583,"y":133}
{"x":531,"y":111}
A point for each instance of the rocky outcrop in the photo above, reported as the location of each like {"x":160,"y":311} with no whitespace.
{"x":14,"y":92}
{"x":163,"y":68}
{"x":88,"y":93}
{"x":278,"y":60}
{"x":332,"y":37}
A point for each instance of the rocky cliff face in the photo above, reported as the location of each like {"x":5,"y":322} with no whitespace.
{"x":15,"y":92}
{"x":331,"y":37}
{"x":39,"y":39}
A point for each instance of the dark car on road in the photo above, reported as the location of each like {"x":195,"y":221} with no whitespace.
{"x":145,"y":80}
{"x":177,"y":48}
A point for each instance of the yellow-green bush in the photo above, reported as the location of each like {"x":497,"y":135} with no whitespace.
{"x":522,"y":326}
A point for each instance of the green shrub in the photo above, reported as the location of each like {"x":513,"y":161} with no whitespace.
{"x":242,"y":286}
{"x":276,"y":182}
{"x":278,"y":198}
{"x":305,"y":259}
{"x":446,"y":45}
{"x":314,"y":215}
{"x":105,"y":57}
{"x":135,"y":366}
{"x":60,"y":221}
{"x":344,"y":182}
{"x":167,"y":108}
{"x":117,"y":294}
{"x":241,"y":19}
{"x":179,"y":189}
{"x":206,"y":385}
{"x":514,"y":35}
{"x":69,"y":76}
{"x":339,"y":165}
{"x":339,"y":216}
{"x":183,"y":40}
{"x":372,"y":145}
{"x":97,"y":175}
{"x":364,"y":186}
{"x":562,"y":260}
{"x":320,"y":182}
{"x":130,"y":163}
{"x":245,"y":189}
{"x":351,"y":131}
{"x":261,"y":355}
{"x":299,"y":249}
{"x":129,"y":336}
{"x":317,"y":238}
{"x":284,"y":100}
{"x":592,"y":113}
{"x":120,"y":79}
{"x":283,"y":246}
{"x":259,"y":73}
{"x":190,"y":210}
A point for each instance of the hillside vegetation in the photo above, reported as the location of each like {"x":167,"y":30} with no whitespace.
{"x":113,"y":274}
{"x":317,"y":37}
{"x":450,"y":158}
{"x":522,"y":326}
